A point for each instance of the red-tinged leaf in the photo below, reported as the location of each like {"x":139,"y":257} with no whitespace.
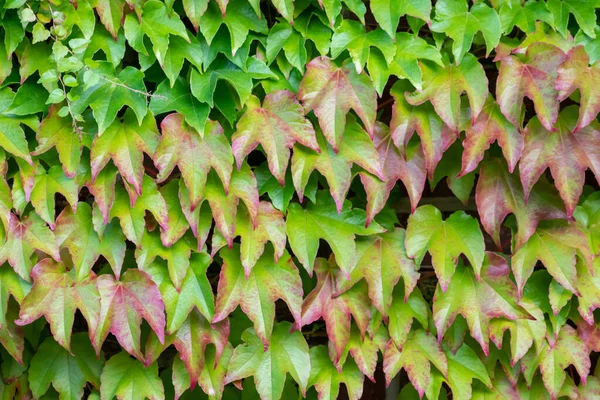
{"x":568,"y":349}
{"x":267,"y":282}
{"x":23,"y":237}
{"x":331,"y":92}
{"x":355,"y":148}
{"x":589,"y":286}
{"x":58,"y":132}
{"x":131,"y":216}
{"x":287,"y":353}
{"x":103,"y":190}
{"x":12,"y":336}
{"x":124,"y":143}
{"x":532,"y":76}
{"x":576,"y":73}
{"x":200,"y":219}
{"x":305,"y":226}
{"x":76,"y":232}
{"x":56,"y":294}
{"x":443,"y":87}
{"x":381,"y":260}
{"x":126,"y":379}
{"x":403,"y":311}
{"x":194,"y":153}
{"x":478,"y":300}
{"x":212,"y":376}
{"x":500,"y":193}
{"x":336,"y":310}
{"x":490,"y":126}
{"x":444,"y":240}
{"x":589,"y":334}
{"x":408,"y":168}
{"x":326,"y":379}
{"x":416,"y":356}
{"x":276,"y":126}
{"x":567,"y":154}
{"x":270,"y":227}
{"x":191,"y":340}
{"x":524,"y":332}
{"x":407,"y":119}
{"x":363,"y":350}
{"x":45,"y":185}
{"x":177,"y":223}
{"x":123,"y":304}
{"x":555,"y":244}
{"x":224,"y":205}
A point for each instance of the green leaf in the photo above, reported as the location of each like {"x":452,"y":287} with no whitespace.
{"x":257,"y":291}
{"x":45,"y":185}
{"x":68,"y":372}
{"x":179,"y":98}
{"x":305,"y":226}
{"x":331,"y":92}
{"x":128,"y":379}
{"x":30,"y":99}
{"x":583,"y":11}
{"x":409,"y":50}
{"x":327,"y":379}
{"x":454,"y":18}
{"x":109,"y":93}
{"x":388,"y":12}
{"x":445,"y":241}
{"x":111,"y":14}
{"x":287,"y":353}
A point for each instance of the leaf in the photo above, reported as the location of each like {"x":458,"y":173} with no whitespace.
{"x":56,"y":295}
{"x":445,"y":241}
{"x":111,"y":92}
{"x":178,"y":51}
{"x":409,"y":50}
{"x":331,"y":92}
{"x":322,"y":302}
{"x":288,"y":353}
{"x":583,"y":11}
{"x":194,"y":9}
{"x":239,"y":23}
{"x":352,"y":36}
{"x":157,"y":25}
{"x":67,"y":371}
{"x":555,"y":244}
{"x":123,"y":304}
{"x":534,"y":77}
{"x":381,"y":260}
{"x":395,"y":167}
{"x":416,"y":356}
{"x":407,"y":119}
{"x":131,"y":217}
{"x":567,"y":350}
{"x":524,"y":16}
{"x":269,"y":227}
{"x":76,"y":233}
{"x":10,"y":285}
{"x":464,"y":366}
{"x":45,"y":185}
{"x":333,"y":8}
{"x":276,"y":126}
{"x":125,"y":144}
{"x":478,"y":300}
{"x":327,"y":379}
{"x":355,"y":148}
{"x":180,"y":99}
{"x":443,"y":87}
{"x":194,"y":153}
{"x":12,"y":138}
{"x":454,"y":18}
{"x":490,"y":126}
{"x":30,"y":99}
{"x":321,"y":221}
{"x":575,"y":73}
{"x":128,"y":379}
{"x":500,"y":193}
{"x":257,"y":292}
{"x":23,"y":237}
{"x":283,"y":36}
{"x":59,"y":132}
{"x":402,"y":313}
{"x":111,"y":14}
{"x":567,"y":154}
{"x":388,"y":12}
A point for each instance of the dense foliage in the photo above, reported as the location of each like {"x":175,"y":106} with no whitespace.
{"x":164,"y":162}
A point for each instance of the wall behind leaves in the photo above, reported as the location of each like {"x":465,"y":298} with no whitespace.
{"x":272,"y":199}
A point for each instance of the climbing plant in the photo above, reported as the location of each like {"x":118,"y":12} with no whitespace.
{"x":284,"y":199}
